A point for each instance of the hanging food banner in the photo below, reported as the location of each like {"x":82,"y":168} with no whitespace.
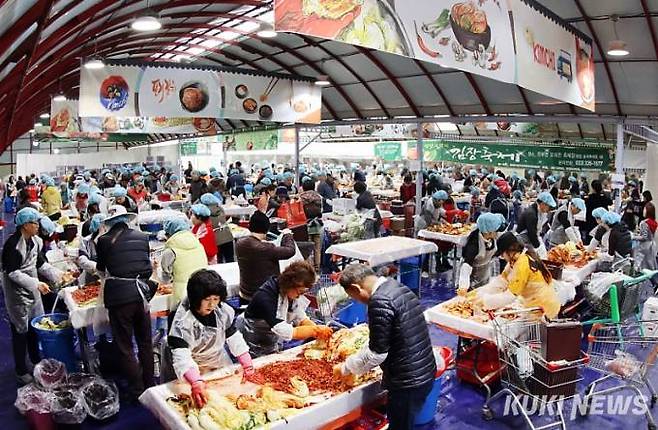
{"x":159,"y":124}
{"x":512,"y":41}
{"x":388,"y":151}
{"x":174,"y":91}
{"x":64,"y":117}
{"x":251,"y":140}
{"x":552,"y":58}
{"x":519,"y":155}
{"x":474,"y":36}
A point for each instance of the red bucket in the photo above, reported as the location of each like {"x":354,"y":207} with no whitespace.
{"x":386,"y":222}
{"x":37,"y":421}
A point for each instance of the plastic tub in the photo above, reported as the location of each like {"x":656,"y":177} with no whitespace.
{"x":57,"y":344}
{"x":352,"y":314}
{"x":427,"y":412}
{"x":410,"y":270}
{"x":152,"y":228}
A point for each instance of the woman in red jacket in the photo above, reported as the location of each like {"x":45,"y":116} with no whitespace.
{"x":202,"y":229}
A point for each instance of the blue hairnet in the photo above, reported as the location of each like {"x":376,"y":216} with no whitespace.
{"x":212,"y":169}
{"x":266,"y":181}
{"x":547,"y":198}
{"x":203,"y":173}
{"x":611,"y":218}
{"x":50,"y":182}
{"x":433,"y":176}
{"x":599,"y":212}
{"x":47,"y":225}
{"x":209,"y":199}
{"x":269,"y":174}
{"x":95,"y":190}
{"x":105,"y":171}
{"x":173,"y":178}
{"x":475,"y":191}
{"x":43,"y":177}
{"x":517,"y":194}
{"x":493,"y":187}
{"x":86,"y":175}
{"x":120,"y":219}
{"x":488,"y":222}
{"x":279,"y":177}
{"x":573,"y":179}
{"x":579,"y":203}
{"x":93,"y":199}
{"x":306,"y":179}
{"x":174,"y":225}
{"x":523,"y":181}
{"x":119,"y":192}
{"x":249,"y":188}
{"x":531,"y":172}
{"x":484,"y":171}
{"x":473,"y":172}
{"x":32,"y":181}
{"x":96,"y":222}
{"x":440,"y":195}
{"x":27,"y":215}
{"x":234,"y":172}
{"x":491,"y":176}
{"x":200,"y":210}
{"x":551,"y":180}
{"x":288,"y":175}
{"x":83,"y":189}
{"x":214,"y":174}
{"x":515,"y":176}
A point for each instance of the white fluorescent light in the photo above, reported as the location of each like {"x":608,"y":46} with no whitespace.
{"x":617,"y":48}
{"x":31,"y":130}
{"x":60,"y":97}
{"x":56,"y":150}
{"x":37,"y":124}
{"x":146,"y":23}
{"x":44,"y":115}
{"x":322,"y":81}
{"x":94,"y":63}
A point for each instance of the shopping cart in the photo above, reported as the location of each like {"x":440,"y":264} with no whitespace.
{"x":626,"y":352}
{"x":525,"y":372}
{"x":329,"y":300}
{"x":624,"y":298}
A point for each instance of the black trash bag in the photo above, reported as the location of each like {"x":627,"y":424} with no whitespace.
{"x":101,"y":399}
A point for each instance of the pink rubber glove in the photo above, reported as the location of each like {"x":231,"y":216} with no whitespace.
{"x":247,"y":364}
{"x":199,"y":394}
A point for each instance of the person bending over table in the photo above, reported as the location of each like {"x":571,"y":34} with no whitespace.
{"x":563,"y":227}
{"x":599,"y":234}
{"x":619,"y":241}
{"x":87,"y":256}
{"x":532,"y":221}
{"x":202,"y":327}
{"x":479,"y":252}
{"x":526,"y":276}
{"x":399,"y":343}
{"x":277,"y":312}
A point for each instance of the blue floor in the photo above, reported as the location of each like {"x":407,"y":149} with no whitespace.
{"x":460,"y":404}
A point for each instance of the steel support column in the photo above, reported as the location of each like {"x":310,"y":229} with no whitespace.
{"x":296,"y":169}
{"x":619,"y":161}
{"x":419,"y":174}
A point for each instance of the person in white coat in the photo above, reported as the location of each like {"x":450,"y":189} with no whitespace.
{"x":645,"y":252}
{"x":479,"y":252}
{"x":22,"y":263}
{"x":202,"y":326}
{"x":600,"y":234}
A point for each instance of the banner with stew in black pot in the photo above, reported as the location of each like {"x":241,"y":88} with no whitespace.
{"x":180,"y":92}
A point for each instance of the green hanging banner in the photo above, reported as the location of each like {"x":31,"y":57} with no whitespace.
{"x":188,"y":148}
{"x":519,"y":155}
{"x":388,"y":151}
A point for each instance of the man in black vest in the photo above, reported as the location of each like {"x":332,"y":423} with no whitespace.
{"x":399,"y":343}
{"x":123,"y":253}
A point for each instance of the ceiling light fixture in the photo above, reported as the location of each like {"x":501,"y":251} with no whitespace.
{"x":266,"y":31}
{"x":31,"y":130}
{"x":60,"y":97}
{"x":44,"y":115}
{"x":56,"y":150}
{"x":616,"y":47}
{"x":146,"y":22}
{"x":322,"y":81}
{"x":37,"y":124}
{"x":94,"y":63}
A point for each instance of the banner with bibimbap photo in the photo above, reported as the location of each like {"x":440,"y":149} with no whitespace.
{"x":172,"y":91}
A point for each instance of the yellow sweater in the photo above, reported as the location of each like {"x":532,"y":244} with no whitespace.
{"x":531,"y":287}
{"x":51,"y":200}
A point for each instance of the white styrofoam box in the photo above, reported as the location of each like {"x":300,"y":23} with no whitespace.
{"x":650,"y":317}
{"x":343,"y":206}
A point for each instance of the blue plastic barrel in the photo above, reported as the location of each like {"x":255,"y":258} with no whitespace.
{"x":9,"y":205}
{"x":410,"y":270}
{"x":352,"y":314}
{"x":426,"y":414}
{"x":57,"y":344}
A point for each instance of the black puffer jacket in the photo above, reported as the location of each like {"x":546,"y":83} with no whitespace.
{"x":124,"y":253}
{"x":398,"y":327}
